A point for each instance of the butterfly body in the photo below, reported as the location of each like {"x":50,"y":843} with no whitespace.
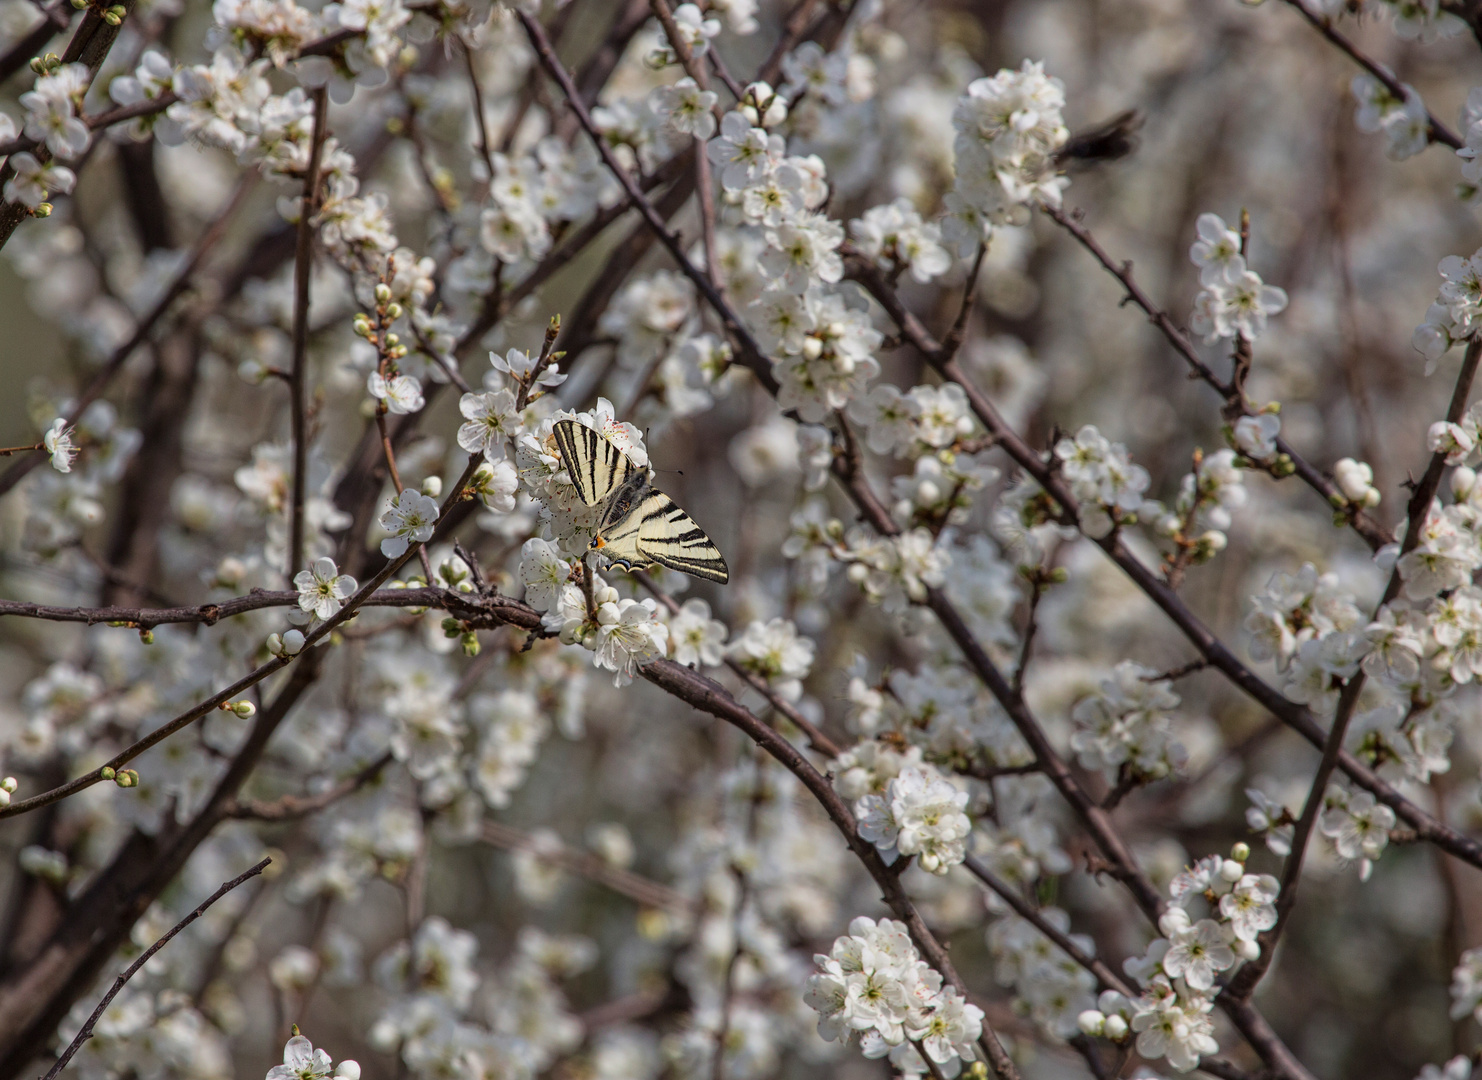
{"x":640,"y":525}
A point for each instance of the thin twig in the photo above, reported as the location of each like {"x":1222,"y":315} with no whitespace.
{"x":481,"y":123}
{"x":118,"y":984}
{"x":645,"y":891}
{"x":142,"y":329}
{"x":1373,"y":534}
{"x":303,"y":265}
{"x":216,"y":701}
{"x":1323,"y":24}
{"x":292,"y":807}
{"x":1245,"y":982}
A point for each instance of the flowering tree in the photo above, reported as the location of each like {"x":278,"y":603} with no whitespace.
{"x":1066,"y":662}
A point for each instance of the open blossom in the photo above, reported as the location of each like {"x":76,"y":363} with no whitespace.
{"x":402,"y":394}
{"x":302,"y":1062}
{"x":1403,"y":121}
{"x":544,"y":573}
{"x":1198,"y":953}
{"x":491,"y":423}
{"x":629,"y":636}
{"x":897,"y":234}
{"x":688,"y":109}
{"x":322,"y":589}
{"x":1255,"y":436}
{"x":920,"y":813}
{"x":51,"y":110}
{"x":1358,"y":825}
{"x":58,"y":443}
{"x":695,"y":636}
{"x":741,"y":152}
{"x":874,"y":983}
{"x":410,"y":519}
{"x":519,"y":365}
{"x":1217,"y":251}
{"x":775,"y":651}
{"x":34,"y":182}
{"x":1251,"y":905}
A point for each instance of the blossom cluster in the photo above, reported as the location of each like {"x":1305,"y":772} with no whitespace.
{"x":1127,"y":725}
{"x":1233,"y":301}
{"x":874,"y":984}
{"x":1178,"y":971}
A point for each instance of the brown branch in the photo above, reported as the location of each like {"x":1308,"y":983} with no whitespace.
{"x":1363,"y":524}
{"x":293,"y":807}
{"x":54,"y":20}
{"x":481,"y":123}
{"x":703,"y":188}
{"x":1244,"y":984}
{"x":142,"y":329}
{"x":216,"y":701}
{"x":750,"y":350}
{"x":128,"y":973}
{"x":624,"y":882}
{"x":303,"y":265}
{"x":710,"y":697}
{"x":492,"y":609}
{"x":817,"y":740}
{"x":1323,"y":24}
{"x":1108,"y":978}
{"x":1214,"y":651}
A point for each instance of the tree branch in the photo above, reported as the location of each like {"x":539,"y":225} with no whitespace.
{"x":118,"y":984}
{"x":303,"y":266}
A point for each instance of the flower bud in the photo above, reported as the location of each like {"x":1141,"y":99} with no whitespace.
{"x":432,"y":487}
{"x":245,"y":709}
{"x":106,"y":772}
{"x":1213,"y":541}
{"x":4,"y":797}
{"x":252,"y":372}
{"x":1116,"y":1028}
{"x":43,"y":210}
{"x":470,"y":644}
{"x":1240,"y":852}
{"x":348,"y":1070}
{"x":146,"y":636}
{"x":1173,"y":920}
{"x":1232,"y":871}
{"x":126,"y":778}
{"x":1091,"y":1022}
{"x":293,"y":642}
{"x":8,"y":785}
{"x":274,"y":644}
{"x":383,"y":293}
{"x":1462,"y":481}
{"x":393,"y":311}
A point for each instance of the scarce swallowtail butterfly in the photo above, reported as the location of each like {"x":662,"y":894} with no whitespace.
{"x":640,"y":525}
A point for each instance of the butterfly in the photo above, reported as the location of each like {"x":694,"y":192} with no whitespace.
{"x":640,"y":525}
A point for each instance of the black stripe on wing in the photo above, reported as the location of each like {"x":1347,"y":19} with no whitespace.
{"x":670,"y":537}
{"x":571,"y":440}
{"x":594,"y":463}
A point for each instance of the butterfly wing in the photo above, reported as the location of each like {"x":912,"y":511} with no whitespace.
{"x":658,"y":531}
{"x":596,"y":466}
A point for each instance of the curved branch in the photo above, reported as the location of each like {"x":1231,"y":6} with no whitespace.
{"x":278,"y":663}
